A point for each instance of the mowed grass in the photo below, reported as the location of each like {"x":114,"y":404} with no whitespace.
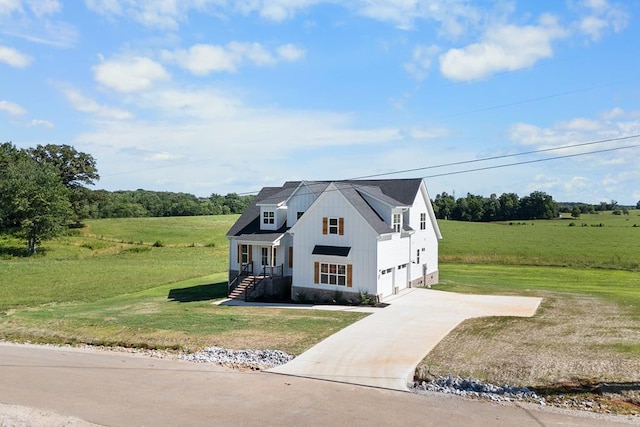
{"x":107,"y":284}
{"x":586,"y":244}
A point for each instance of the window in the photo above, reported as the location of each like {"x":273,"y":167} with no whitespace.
{"x":400,"y":267}
{"x":387,"y":271}
{"x":265,"y":256}
{"x":333,"y":274}
{"x":274,"y":258}
{"x":418,"y":256}
{"x":299,"y":214}
{"x":268,"y":217}
{"x":244,"y":254}
{"x":333,"y":225}
{"x":397,"y":222}
{"x":423,"y":221}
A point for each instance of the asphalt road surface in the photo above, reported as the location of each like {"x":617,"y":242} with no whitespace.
{"x":119,"y":389}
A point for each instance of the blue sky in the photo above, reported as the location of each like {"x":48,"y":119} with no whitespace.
{"x":218,"y":96}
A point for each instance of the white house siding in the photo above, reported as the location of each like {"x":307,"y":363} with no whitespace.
{"x":426,"y":239}
{"x":358,"y":235}
{"x":299,"y":202}
{"x":392,"y":253}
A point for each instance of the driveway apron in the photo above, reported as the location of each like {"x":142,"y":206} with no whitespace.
{"x":383,"y":349}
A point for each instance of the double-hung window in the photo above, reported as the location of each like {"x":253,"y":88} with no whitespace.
{"x":333,"y":226}
{"x":423,"y":221}
{"x":265,"y":256}
{"x":397,"y":222}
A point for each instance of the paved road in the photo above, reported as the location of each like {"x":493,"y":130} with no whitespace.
{"x":125,"y":390}
{"x":383,"y":349}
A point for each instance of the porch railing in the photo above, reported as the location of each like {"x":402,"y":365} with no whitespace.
{"x":245,"y":269}
{"x":268,"y":272}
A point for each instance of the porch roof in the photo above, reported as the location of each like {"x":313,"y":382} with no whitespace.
{"x":269,"y":238}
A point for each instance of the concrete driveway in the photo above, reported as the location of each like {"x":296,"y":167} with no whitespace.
{"x":383,"y":349}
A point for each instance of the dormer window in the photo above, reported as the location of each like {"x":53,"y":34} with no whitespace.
{"x":397,"y":222}
{"x":268,"y":217}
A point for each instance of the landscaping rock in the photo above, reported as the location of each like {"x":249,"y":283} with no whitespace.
{"x":242,"y":359}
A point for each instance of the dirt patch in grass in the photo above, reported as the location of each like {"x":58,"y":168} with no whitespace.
{"x":576,"y":340}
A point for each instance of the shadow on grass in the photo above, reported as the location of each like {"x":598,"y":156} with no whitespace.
{"x":586,"y":386}
{"x":199,"y":293}
{"x":18,"y":252}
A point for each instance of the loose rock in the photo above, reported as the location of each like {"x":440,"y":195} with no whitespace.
{"x":242,"y":359}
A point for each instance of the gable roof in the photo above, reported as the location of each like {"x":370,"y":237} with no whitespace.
{"x":393,"y":192}
{"x":249,"y":221}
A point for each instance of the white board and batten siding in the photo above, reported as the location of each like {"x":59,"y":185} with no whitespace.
{"x":299,"y":201}
{"x":358,"y":235}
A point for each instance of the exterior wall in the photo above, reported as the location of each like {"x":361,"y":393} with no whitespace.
{"x":392,"y":253}
{"x":299,"y":202}
{"x":420,"y":239}
{"x":357,"y":234}
{"x":314,"y":295}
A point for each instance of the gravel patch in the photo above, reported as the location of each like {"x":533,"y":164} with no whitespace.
{"x":239,"y":359}
{"x":476,"y":389}
{"x":470,"y":387}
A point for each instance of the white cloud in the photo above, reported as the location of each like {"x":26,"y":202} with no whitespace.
{"x":42,"y":8}
{"x":14,"y":58}
{"x":503,"y":48}
{"x":203,"y":59}
{"x":599,"y":16}
{"x":12,"y":109}
{"x":290,"y":52}
{"x":421,"y":60}
{"x":88,"y":105}
{"x":7,"y":7}
{"x":41,"y":123}
{"x":129,"y":74}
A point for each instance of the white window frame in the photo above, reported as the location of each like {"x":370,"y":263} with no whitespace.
{"x":268,"y":217}
{"x":333,"y":228}
{"x":333,"y":274}
{"x":264,"y":257}
{"x":244,"y":254}
{"x":396,"y":222}
{"x":423,"y":221}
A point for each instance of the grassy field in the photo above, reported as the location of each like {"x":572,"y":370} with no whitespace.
{"x":143,"y":283}
{"x":592,"y":241}
{"x":150,"y":282}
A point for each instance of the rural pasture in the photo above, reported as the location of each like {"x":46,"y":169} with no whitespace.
{"x":149,"y":283}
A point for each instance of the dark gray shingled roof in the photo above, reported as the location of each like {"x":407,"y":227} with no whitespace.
{"x":249,"y":221}
{"x":396,"y":192}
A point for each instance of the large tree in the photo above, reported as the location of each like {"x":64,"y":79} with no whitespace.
{"x":75,"y":169}
{"x":34,"y":203}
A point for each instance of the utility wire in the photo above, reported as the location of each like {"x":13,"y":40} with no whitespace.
{"x":531,"y":161}
{"x":484,"y":159}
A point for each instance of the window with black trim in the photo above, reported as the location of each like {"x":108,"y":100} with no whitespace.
{"x":423,"y":221}
{"x":268,"y":217}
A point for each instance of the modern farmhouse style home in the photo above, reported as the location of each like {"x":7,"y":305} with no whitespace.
{"x":318,"y":238}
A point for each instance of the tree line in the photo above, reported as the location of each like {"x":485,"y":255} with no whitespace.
{"x":506,"y":207}
{"x":44,"y":189}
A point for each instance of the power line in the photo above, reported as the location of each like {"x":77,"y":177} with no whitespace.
{"x":484,"y":159}
{"x":532,"y":161}
{"x":499,"y":157}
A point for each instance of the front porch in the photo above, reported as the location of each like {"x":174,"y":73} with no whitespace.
{"x":260,"y":283}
